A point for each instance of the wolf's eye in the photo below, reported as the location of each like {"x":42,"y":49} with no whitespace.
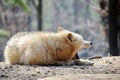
{"x":69,"y":38}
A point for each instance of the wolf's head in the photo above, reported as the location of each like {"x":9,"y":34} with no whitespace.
{"x":74,"y":39}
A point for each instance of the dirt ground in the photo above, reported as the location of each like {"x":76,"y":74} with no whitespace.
{"x":106,"y":68}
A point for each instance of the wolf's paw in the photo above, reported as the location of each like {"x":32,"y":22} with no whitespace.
{"x":65,"y":63}
{"x":83,"y":62}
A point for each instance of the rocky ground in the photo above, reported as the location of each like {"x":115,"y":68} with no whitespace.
{"x":106,"y":68}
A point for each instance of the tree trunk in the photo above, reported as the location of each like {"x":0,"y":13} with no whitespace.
{"x":39,"y":15}
{"x":113,"y":27}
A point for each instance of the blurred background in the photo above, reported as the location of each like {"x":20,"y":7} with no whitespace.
{"x":96,"y":20}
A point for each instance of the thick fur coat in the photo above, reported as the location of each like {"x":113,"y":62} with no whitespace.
{"x":44,"y":48}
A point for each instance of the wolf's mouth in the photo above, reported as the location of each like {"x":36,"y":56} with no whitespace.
{"x":84,"y":49}
{"x":77,"y":55}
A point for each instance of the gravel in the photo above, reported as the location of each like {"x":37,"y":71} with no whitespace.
{"x":109,"y":67}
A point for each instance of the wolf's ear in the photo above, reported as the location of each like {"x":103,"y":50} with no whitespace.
{"x":70,"y":37}
{"x":60,"y":29}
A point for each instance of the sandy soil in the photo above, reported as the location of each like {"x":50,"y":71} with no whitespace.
{"x":107,"y":68}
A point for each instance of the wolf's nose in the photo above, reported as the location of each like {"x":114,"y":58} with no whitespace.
{"x":91,"y":43}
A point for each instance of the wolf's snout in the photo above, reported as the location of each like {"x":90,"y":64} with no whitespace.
{"x":91,"y":43}
{"x":87,"y":44}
